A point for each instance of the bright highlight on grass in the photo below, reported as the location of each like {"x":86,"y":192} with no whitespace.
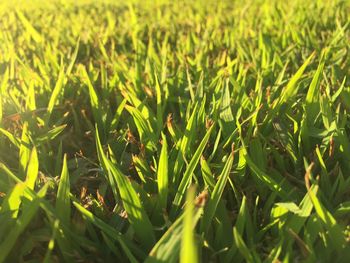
{"x":186,"y":131}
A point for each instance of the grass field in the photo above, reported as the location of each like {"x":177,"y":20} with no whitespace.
{"x":185,"y":131}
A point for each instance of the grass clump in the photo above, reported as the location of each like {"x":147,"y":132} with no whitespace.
{"x":165,"y":132}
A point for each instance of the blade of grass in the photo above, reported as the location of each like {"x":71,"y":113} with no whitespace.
{"x":12,"y":138}
{"x":185,"y":142}
{"x":312,"y":97}
{"x":55,"y":94}
{"x":131,"y":201}
{"x":190,"y":169}
{"x":168,"y":246}
{"x":242,"y":247}
{"x":188,"y":245}
{"x":63,"y":208}
{"x":335,"y":230}
{"x":28,"y":26}
{"x":216,"y":195}
{"x":13,"y":200}
{"x":21,"y":223}
{"x":24,"y":150}
{"x":107,"y":229}
{"x":94,"y":101}
{"x":144,"y":128}
{"x":162,"y":173}
{"x":32,"y":169}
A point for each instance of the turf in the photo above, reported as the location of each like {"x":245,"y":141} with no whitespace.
{"x":163,"y":131}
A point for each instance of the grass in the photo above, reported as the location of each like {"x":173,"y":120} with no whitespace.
{"x":165,"y":132}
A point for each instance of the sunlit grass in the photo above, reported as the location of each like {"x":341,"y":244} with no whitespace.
{"x":159,"y":131}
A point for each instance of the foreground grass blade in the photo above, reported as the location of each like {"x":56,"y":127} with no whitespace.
{"x":144,"y":128}
{"x":0,"y":108}
{"x":51,"y":244}
{"x":13,"y":139}
{"x":242,"y":247}
{"x":216,"y":195}
{"x":32,"y":169}
{"x":168,"y":247}
{"x":190,"y":169}
{"x":131,"y":201}
{"x":55,"y":94}
{"x":312,"y":97}
{"x":188,"y":244}
{"x":263,"y":177}
{"x":335,"y":230}
{"x":24,"y":150}
{"x":107,"y":229}
{"x":12,"y":201}
{"x":163,"y":174}
{"x":185,"y":142}
{"x":51,"y":134}
{"x":63,"y":208}
{"x":291,"y":87}
{"x":29,"y":28}
{"x":22,"y":222}
{"x":94,"y":100}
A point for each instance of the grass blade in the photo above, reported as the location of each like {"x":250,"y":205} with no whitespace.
{"x":55,"y":94}
{"x":63,"y":208}
{"x":21,"y":223}
{"x":190,"y":169}
{"x":188,"y":244}
{"x":32,"y":169}
{"x":107,"y":229}
{"x":24,"y":150}
{"x":131,"y":201}
{"x":216,"y":195}
{"x":29,"y":28}
{"x":168,"y":247}
{"x":162,"y":174}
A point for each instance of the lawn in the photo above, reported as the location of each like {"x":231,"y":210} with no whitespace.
{"x":174,"y":131}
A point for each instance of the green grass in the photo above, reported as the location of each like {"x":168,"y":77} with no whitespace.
{"x":190,"y":131}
